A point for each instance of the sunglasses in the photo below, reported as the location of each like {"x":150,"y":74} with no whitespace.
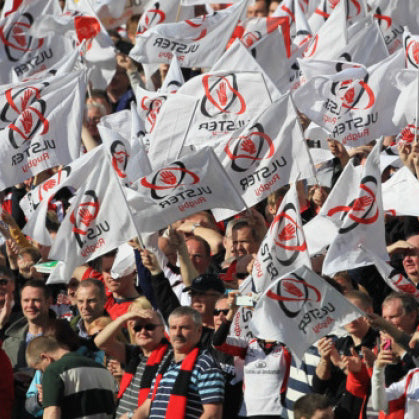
{"x":149,"y":327}
{"x":4,"y":281}
{"x":218,"y":312}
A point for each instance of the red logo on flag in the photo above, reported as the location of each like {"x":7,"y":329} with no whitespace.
{"x":25,"y":110}
{"x":411,"y":47}
{"x":152,"y":17}
{"x":54,"y":181}
{"x":84,"y":215}
{"x":293,"y":293}
{"x":290,"y":236}
{"x":168,"y":179}
{"x":362,"y":210}
{"x":356,"y":95}
{"x":152,"y":108}
{"x":222,"y":96}
{"x":16,"y":40}
{"x":87,"y":27}
{"x":246,"y":150}
{"x":119,"y":158}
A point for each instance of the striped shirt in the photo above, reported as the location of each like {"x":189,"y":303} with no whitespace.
{"x":205,"y":387}
{"x":81,"y":387}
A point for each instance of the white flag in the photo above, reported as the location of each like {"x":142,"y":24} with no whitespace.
{"x":196,"y":42}
{"x":22,"y":53}
{"x":411,"y":49}
{"x":227,"y":101}
{"x":363,"y":222}
{"x":94,"y":223}
{"x":174,"y":78}
{"x":194,"y":183}
{"x":395,"y":280}
{"x":268,"y":153}
{"x":354,"y":108}
{"x":299,"y":309}
{"x":71,"y":175}
{"x":40,"y":125}
{"x":401,"y":194}
{"x":284,"y":247}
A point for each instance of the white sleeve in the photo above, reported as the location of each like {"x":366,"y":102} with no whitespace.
{"x":378,"y":390}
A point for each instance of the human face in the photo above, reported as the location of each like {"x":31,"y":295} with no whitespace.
{"x":34,"y":304}
{"x":89,"y":303}
{"x":145,"y":338}
{"x":323,"y":414}
{"x":107,"y":262}
{"x":121,"y":286}
{"x":358,"y":327}
{"x":184,"y":334}
{"x":92,"y":119}
{"x":411,"y":260}
{"x":258,"y":9}
{"x":243,"y":242}
{"x":198,"y":256}
{"x":204,"y":302}
{"x":219,"y":316}
{"x":335,"y":147}
{"x":394,"y":312}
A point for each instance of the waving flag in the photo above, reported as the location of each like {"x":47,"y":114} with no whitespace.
{"x":227,"y":101}
{"x":94,"y":225}
{"x":401,"y":194}
{"x":300,"y":308}
{"x":191,"y":184}
{"x":40,"y":125}
{"x":411,"y":49}
{"x":363,"y":222}
{"x":20,"y":51}
{"x":70,"y":176}
{"x":268,"y":153}
{"x":395,"y":280}
{"x":353,"y":107}
{"x":284,"y":247}
{"x":196,"y":42}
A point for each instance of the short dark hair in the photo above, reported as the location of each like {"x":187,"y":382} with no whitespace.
{"x":93,"y":282}
{"x":243,"y":223}
{"x":204,"y":243}
{"x":37,"y":283}
{"x":307,"y":405}
{"x":32,"y":252}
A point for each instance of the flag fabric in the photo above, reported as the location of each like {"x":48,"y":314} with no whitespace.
{"x":174,"y":78}
{"x":22,"y":53}
{"x":158,"y":12}
{"x":284,"y":248}
{"x":191,"y":184}
{"x":401,"y":194}
{"x":35,"y":204}
{"x":411,"y":49}
{"x":81,"y":24}
{"x":196,"y":42}
{"x":353,"y":107}
{"x":363,"y":222}
{"x":268,"y":153}
{"x":300,"y":308}
{"x":94,"y":225}
{"x":227,"y":101}
{"x":395,"y":280}
{"x":123,"y":147}
{"x":40,"y":125}
{"x":71,"y":175}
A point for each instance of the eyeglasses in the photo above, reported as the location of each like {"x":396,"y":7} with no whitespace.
{"x":4,"y":281}
{"x":218,"y":312}
{"x":149,"y":327}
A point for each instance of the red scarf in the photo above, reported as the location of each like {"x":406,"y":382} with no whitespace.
{"x":150,"y":371}
{"x":176,"y":408}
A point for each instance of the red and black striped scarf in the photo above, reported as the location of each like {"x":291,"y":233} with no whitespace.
{"x":150,"y":371}
{"x":178,"y":396}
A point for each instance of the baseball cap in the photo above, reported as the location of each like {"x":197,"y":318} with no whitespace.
{"x":206,"y":282}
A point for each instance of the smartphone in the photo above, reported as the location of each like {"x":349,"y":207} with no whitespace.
{"x":387,"y":345}
{"x":244,"y":300}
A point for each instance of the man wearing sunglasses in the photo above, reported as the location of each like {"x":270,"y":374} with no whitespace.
{"x":140,"y":360}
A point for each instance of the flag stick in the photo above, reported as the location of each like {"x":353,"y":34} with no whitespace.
{"x":417,"y":106}
{"x":178,"y":11}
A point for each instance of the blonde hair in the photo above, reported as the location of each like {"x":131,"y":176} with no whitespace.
{"x":140,"y":303}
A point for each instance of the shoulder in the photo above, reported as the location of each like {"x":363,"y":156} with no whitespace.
{"x":17,"y":329}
